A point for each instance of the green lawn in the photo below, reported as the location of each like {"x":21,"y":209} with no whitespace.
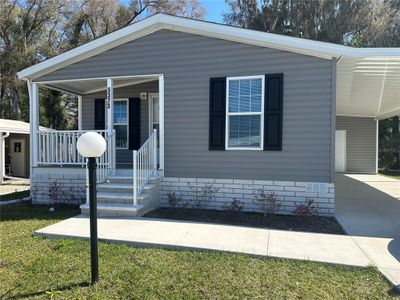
{"x":392,"y":176}
{"x":42,"y":268}
{"x":15,"y":195}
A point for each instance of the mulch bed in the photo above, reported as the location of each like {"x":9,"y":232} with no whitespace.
{"x":308,"y":224}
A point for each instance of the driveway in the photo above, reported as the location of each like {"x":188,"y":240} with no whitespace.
{"x":368,"y":208}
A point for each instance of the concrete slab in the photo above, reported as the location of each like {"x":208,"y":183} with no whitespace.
{"x":192,"y":235}
{"x":368,"y":208}
{"x":364,"y":210}
{"x":330,"y":248}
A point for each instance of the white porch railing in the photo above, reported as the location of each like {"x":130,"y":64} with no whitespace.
{"x":144,"y":164}
{"x":58,"y":148}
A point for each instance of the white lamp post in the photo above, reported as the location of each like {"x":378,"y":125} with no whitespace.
{"x":92,"y":145}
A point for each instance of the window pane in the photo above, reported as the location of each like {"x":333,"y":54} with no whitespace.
{"x":121,"y":136}
{"x":244,"y":131}
{"x":120,"y":112}
{"x":234,"y":95}
{"x":245,"y":95}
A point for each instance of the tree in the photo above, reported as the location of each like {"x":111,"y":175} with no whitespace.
{"x":362,"y":23}
{"x":389,"y":141}
{"x":34,"y":30}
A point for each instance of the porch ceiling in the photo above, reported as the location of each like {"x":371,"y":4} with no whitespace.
{"x":88,"y":86}
{"x":368,"y":87}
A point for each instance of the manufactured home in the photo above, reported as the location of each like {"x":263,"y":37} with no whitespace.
{"x":186,"y":104}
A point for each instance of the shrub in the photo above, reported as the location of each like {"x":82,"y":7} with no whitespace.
{"x":55,"y":193}
{"x":268,"y":201}
{"x":173,"y":199}
{"x":236,"y":206}
{"x":202,"y":194}
{"x":306,"y":209}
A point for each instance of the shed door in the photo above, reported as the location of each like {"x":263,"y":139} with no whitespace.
{"x":17,"y":157}
{"x":340,"y":152}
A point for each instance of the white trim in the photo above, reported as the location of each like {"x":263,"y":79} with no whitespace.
{"x":79,"y":112}
{"x":151,"y":104}
{"x":163,"y":21}
{"x":261,"y":113}
{"x":110,"y":105}
{"x":34,"y":122}
{"x":161,"y":120}
{"x":155,"y":75}
{"x":127,"y":122}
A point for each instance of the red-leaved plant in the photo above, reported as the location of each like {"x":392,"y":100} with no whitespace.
{"x":306,"y":209}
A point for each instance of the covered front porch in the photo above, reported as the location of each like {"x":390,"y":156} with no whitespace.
{"x":127,"y":111}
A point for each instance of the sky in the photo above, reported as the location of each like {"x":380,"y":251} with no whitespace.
{"x":215,"y":8}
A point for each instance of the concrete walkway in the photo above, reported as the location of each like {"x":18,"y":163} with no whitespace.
{"x":338,"y":249}
{"x":368,"y":208}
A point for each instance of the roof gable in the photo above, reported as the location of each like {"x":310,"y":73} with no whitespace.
{"x":164,"y":21}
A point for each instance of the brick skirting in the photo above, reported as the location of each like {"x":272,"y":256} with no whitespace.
{"x":289,"y":194}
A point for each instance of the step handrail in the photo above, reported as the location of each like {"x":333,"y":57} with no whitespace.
{"x":144,"y":164}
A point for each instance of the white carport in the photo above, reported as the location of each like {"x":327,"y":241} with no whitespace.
{"x":369,"y":85}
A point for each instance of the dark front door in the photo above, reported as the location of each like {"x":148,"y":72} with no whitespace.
{"x":134,"y":123}
{"x":99,"y":114}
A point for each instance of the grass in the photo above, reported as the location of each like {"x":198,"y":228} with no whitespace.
{"x":59,"y":269}
{"x":392,"y":176}
{"x":15,"y":195}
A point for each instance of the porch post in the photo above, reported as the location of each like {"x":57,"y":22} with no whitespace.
{"x":110,"y":119}
{"x":161,"y":120}
{"x":79,"y":112}
{"x":34,"y":122}
{"x":110,"y":105}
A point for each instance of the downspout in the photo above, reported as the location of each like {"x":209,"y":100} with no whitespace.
{"x":3,"y":155}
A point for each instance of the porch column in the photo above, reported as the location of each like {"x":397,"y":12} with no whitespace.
{"x":110,"y":105}
{"x":161,"y":120}
{"x":34,"y":122}
{"x":79,"y":112}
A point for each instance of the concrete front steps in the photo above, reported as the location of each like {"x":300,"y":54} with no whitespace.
{"x":115,"y":196}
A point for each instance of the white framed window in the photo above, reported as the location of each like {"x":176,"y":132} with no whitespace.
{"x":121,"y":117}
{"x":244,"y":113}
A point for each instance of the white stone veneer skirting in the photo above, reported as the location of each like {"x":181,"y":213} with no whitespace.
{"x":289,"y":193}
{"x":57,"y":185}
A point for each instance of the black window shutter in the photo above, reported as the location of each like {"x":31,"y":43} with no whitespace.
{"x":273,"y":112}
{"x":99,"y":114}
{"x":217,"y":113}
{"x":134,"y":123}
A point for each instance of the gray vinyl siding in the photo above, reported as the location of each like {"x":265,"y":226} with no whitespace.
{"x":188,"y":62}
{"x":132,"y":91}
{"x":360,"y":143}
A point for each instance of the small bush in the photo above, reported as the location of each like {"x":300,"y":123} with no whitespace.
{"x":55,"y":193}
{"x":173,"y":199}
{"x":235,"y":206}
{"x":268,"y":201}
{"x":306,"y":209}
{"x":202,"y":194}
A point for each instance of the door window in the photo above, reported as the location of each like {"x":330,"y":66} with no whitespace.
{"x":121,"y":123}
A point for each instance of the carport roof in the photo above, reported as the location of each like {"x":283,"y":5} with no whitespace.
{"x":368,"y":79}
